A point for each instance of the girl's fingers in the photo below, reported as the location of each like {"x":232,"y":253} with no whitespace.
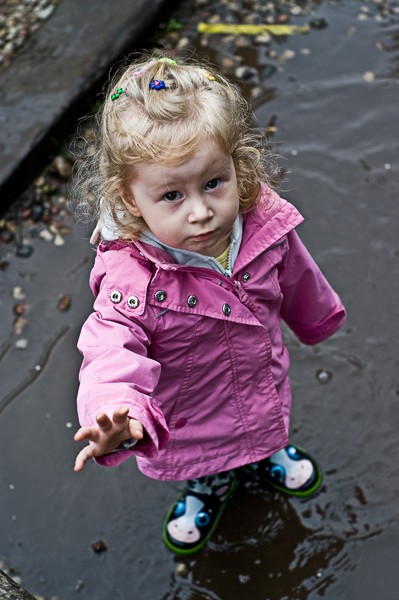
{"x":136,"y":429}
{"x":120,"y":414}
{"x":82,"y":458}
{"x":104,"y":422}
{"x":86,"y":433}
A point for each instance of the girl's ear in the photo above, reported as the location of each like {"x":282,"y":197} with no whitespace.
{"x":130,"y":204}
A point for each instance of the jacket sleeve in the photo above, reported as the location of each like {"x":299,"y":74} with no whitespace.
{"x":310,"y":307}
{"x":116,"y":370}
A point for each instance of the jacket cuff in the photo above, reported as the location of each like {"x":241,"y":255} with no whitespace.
{"x":156,"y":433}
{"x":318,"y":332}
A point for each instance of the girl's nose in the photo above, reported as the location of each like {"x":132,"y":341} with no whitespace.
{"x":200,"y":211}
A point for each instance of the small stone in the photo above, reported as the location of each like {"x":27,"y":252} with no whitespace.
{"x":181,"y":569}
{"x":46,"y":235}
{"x":24,"y":251}
{"x":264,"y":38}
{"x":20,"y":308}
{"x":248,"y":74}
{"x":319,"y":23}
{"x":369,"y":76}
{"x":182,"y":43}
{"x":17,"y":293}
{"x":63,"y":167}
{"x":227,"y":62}
{"x":19,"y":324}
{"x":6,"y":235}
{"x":269,"y":70}
{"x":323,"y":376}
{"x":99,"y":546}
{"x":59,"y":241}
{"x":287,"y":55}
{"x":64,"y":302}
{"x":45,"y":12}
{"x":22,"y":344}
{"x":37,"y":212}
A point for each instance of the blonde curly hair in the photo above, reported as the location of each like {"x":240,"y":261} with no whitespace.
{"x":137,"y":125}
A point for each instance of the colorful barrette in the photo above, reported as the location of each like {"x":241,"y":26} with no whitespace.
{"x":157,"y":84}
{"x":209,"y":76}
{"x":168,"y":61}
{"x":138,"y":71}
{"x":117,"y":94}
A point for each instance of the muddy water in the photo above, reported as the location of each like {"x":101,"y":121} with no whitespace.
{"x":337,"y":133}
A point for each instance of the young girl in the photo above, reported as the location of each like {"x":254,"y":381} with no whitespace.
{"x":184,"y":364}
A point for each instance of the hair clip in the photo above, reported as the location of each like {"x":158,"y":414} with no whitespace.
{"x":157,"y":84}
{"x":209,"y":76}
{"x":139,"y":71}
{"x":168,"y":61}
{"x":117,"y":94}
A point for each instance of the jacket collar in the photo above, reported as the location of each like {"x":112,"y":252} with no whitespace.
{"x":194,"y":259}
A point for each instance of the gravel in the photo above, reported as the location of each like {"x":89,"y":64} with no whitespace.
{"x":18,"y":20}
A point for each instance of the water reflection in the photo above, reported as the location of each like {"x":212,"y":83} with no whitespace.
{"x":272,"y":548}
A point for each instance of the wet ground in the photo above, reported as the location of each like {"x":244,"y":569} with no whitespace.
{"x":329,"y":98}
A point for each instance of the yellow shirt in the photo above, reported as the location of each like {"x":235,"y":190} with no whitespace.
{"x":224,"y":257}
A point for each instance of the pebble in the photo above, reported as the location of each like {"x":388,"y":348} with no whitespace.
{"x":323,"y":376}
{"x":319,"y":23}
{"x":62,"y":167}
{"x":99,"y":546}
{"x":64,"y":302}
{"x":22,"y":344}
{"x":17,"y":293}
{"x":46,"y":235}
{"x":369,"y":76}
{"x":287,"y":55}
{"x":264,"y":38}
{"x":247,"y":73}
{"x":18,"y":20}
{"x":24,"y":251}
{"x":45,"y":12}
{"x":20,"y":308}
{"x":181,"y":569}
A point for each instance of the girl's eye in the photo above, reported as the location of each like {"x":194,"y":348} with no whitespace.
{"x":172,"y":196}
{"x":213,"y":184}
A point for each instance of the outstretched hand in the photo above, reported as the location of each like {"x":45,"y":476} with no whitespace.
{"x":107,"y":436}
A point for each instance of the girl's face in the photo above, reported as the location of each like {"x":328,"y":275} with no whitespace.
{"x":192,"y":206}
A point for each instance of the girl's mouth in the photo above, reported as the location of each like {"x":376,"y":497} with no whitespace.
{"x":203,"y":236}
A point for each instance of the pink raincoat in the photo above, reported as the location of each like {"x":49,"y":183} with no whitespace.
{"x":199,"y":357}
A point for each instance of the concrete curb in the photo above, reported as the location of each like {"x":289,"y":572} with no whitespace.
{"x":65,"y":60}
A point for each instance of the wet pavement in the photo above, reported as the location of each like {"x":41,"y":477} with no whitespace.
{"x":329,"y":98}
{"x":64,"y":61}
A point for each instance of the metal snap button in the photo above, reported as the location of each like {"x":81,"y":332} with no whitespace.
{"x":115,"y":296}
{"x":192,"y":300}
{"x":226,"y":308}
{"x":160,"y":295}
{"x":246,"y":277}
{"x":132,"y":302}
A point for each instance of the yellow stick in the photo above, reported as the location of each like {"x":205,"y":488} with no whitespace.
{"x":232,"y":29}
